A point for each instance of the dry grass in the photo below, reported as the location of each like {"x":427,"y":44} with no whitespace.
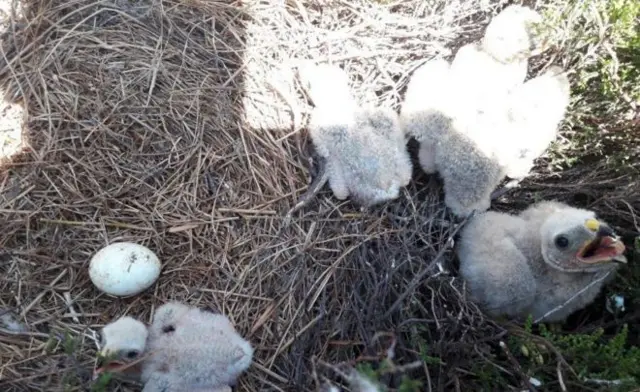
{"x":178,"y":125}
{"x":138,"y":131}
{"x":11,"y":114}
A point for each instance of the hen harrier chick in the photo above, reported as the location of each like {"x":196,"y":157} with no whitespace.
{"x":534,"y":111}
{"x":498,"y":62}
{"x":365,"y":149}
{"x":474,"y":134}
{"x":536,"y":262}
{"x":184,"y":349}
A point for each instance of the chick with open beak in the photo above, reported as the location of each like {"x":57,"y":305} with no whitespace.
{"x":575,"y":241}
{"x":604,"y":247}
{"x":123,"y":344}
{"x":184,"y":349}
{"x":548,"y":261}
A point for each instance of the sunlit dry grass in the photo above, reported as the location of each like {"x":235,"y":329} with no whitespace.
{"x":178,"y":125}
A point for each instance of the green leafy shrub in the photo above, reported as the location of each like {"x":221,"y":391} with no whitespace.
{"x":599,"y":41}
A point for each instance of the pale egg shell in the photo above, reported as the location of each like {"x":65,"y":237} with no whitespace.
{"x":124,"y":269}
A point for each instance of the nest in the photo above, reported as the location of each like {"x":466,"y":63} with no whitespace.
{"x":179,"y":126}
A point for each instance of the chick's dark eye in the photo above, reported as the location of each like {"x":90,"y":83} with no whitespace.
{"x":168,"y":328}
{"x":562,"y":242}
{"x":132,"y":354}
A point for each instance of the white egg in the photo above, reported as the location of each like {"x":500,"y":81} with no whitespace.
{"x":124,"y":269}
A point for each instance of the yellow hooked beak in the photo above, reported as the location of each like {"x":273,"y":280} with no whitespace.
{"x":604,"y":247}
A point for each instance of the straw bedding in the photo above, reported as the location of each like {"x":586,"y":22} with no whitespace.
{"x":178,"y":125}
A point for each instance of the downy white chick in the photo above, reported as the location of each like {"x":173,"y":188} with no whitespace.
{"x":185,"y":348}
{"x":123,"y":344}
{"x":364,"y":148}
{"x":450,"y":144}
{"x":490,"y":68}
{"x":535,"y":109}
{"x":476,"y":121}
{"x":534,"y":262}
{"x":517,"y":129}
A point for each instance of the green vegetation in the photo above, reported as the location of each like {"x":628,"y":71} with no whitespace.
{"x":597,"y":358}
{"x":100,"y":385}
{"x":600,"y":43}
{"x":407,"y":383}
{"x":603,"y":363}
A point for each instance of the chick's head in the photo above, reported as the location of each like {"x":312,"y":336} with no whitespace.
{"x":167,"y":316}
{"x":514,"y":34}
{"x":123,"y":344}
{"x":574,"y":240}
{"x":326,"y":85}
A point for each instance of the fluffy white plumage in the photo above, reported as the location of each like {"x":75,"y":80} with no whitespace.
{"x":513,"y":35}
{"x":124,"y":338}
{"x":477,"y":120}
{"x":492,"y":67}
{"x":184,"y":348}
{"x":534,"y":111}
{"x":364,"y":148}
{"x":536,"y":261}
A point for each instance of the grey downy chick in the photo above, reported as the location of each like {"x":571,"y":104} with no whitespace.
{"x":548,"y":261}
{"x":520,"y":119}
{"x":364,"y":148}
{"x":519,"y":129}
{"x":475,"y":121}
{"x":450,"y":144}
{"x":123,"y":344}
{"x":185,"y":348}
